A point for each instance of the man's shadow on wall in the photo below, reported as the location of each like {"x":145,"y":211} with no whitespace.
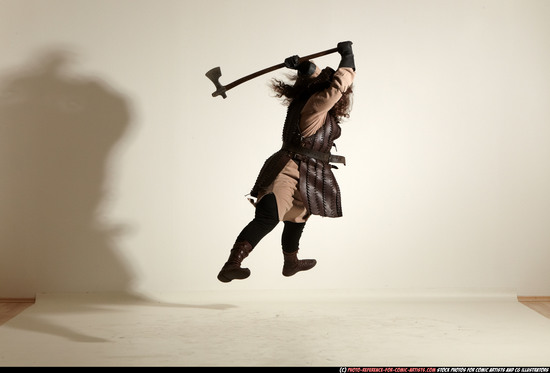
{"x":57,"y":133}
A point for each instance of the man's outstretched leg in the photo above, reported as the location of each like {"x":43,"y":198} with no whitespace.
{"x":265,"y":219}
{"x":291,"y":241}
{"x":232,"y":268}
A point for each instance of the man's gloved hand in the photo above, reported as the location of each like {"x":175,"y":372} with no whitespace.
{"x":305,"y":68}
{"x":292,"y":62}
{"x":346,"y":51}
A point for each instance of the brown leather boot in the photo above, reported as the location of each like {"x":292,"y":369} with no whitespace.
{"x":293,"y":264}
{"x":232,"y":268}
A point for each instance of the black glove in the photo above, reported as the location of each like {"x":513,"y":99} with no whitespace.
{"x":345,"y":50}
{"x":305,"y":68}
{"x":292,"y":62}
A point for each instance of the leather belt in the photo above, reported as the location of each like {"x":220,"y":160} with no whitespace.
{"x":321,"y":156}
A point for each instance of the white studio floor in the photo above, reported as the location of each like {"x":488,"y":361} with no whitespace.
{"x":275,"y":328}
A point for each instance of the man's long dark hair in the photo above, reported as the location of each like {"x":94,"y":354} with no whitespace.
{"x":304,"y":87}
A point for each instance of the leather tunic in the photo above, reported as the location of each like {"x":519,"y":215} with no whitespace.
{"x":318,"y":187}
{"x":317,"y":184}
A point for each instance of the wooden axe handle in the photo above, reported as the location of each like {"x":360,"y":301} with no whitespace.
{"x":275,"y":67}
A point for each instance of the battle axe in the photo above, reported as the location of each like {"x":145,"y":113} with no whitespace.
{"x":215,"y":73}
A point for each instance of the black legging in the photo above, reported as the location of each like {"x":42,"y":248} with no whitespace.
{"x":265,"y":220}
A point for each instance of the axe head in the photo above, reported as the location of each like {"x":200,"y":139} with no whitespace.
{"x":214,"y":75}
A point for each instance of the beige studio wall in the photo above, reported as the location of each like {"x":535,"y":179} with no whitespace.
{"x":120,"y":172}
